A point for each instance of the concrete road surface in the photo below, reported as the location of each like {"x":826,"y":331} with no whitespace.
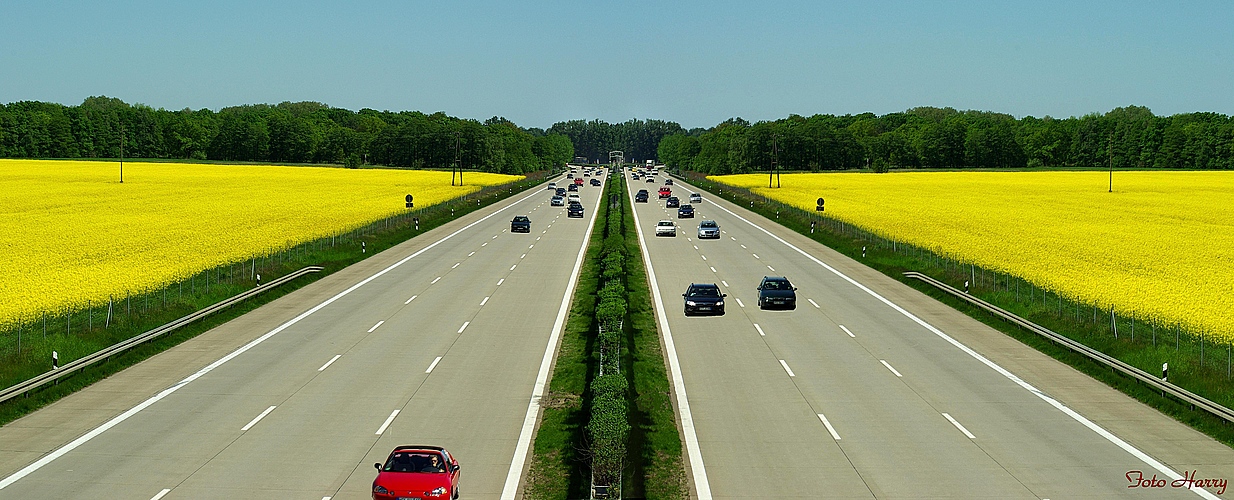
{"x":870,"y":389}
{"x":299,"y":398}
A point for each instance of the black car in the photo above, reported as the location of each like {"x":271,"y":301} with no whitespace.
{"x":685,"y":212}
{"x":520,"y":224}
{"x":574,"y":210}
{"x":561,"y":191}
{"x":595,"y":182}
{"x":776,"y":291}
{"x":672,"y":202}
{"x":640,"y":196}
{"x":651,"y":179}
{"x":668,"y":182}
{"x":704,"y":298}
{"x":572,"y":187}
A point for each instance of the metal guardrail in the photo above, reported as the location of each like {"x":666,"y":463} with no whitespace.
{"x":118,"y":348}
{"x":1093,"y":354}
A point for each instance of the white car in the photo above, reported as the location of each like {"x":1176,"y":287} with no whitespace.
{"x":573,"y":197}
{"x":552,"y":186}
{"x":666,"y":228}
{"x":696,"y":198}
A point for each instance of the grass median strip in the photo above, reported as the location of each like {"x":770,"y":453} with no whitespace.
{"x":608,"y":414}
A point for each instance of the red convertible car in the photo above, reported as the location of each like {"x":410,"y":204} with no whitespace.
{"x":424,"y":472}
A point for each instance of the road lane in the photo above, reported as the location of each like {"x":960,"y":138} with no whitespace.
{"x":896,"y":440}
{"x":319,"y":439}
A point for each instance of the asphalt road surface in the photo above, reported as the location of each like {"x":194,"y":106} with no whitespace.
{"x":870,"y":389}
{"x":441,"y":340}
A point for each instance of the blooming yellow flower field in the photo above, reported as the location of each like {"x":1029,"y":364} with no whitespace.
{"x":72,"y":234}
{"x":1160,"y":247}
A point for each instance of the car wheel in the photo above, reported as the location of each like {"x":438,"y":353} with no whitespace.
{"x":760,"y":304}
{"x":686,"y":312}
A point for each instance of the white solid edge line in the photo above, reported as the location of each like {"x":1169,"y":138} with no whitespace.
{"x":958,"y":426}
{"x":760,"y":330}
{"x":257,"y":419}
{"x":386,"y":423}
{"x":464,"y":327}
{"x":328,"y":363}
{"x":413,"y":297}
{"x":485,"y":301}
{"x":515,"y":475}
{"x":370,"y":330}
{"x":433,"y":365}
{"x":813,"y":303}
{"x":739,"y":302}
{"x":787,"y":369}
{"x":830,"y":429}
{"x":84,"y":438}
{"x":702,"y":486}
{"x":893,"y":370}
{"x":850,"y":334}
{"x":161,"y":494}
{"x":1144,"y":457}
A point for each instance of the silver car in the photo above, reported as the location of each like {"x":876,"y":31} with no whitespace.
{"x":696,"y":198}
{"x":708,"y":229}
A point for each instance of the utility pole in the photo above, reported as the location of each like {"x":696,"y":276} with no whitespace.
{"x":121,"y":155}
{"x":775,"y":161}
{"x":1111,"y":149}
{"x":458,"y":165}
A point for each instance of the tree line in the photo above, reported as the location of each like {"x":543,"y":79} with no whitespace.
{"x":637,"y":139}
{"x":1130,"y":137}
{"x":300,"y":132}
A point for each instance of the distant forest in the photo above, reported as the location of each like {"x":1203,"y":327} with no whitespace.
{"x":1130,"y":137}
{"x":302,"y":132}
{"x":309,"y":132}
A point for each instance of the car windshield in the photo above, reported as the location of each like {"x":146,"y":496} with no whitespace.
{"x":415,"y":461}
{"x":666,"y":223}
{"x":704,"y":291}
{"x":687,"y":207}
{"x":776,"y":285}
{"x":708,"y":224}
{"x":523,"y":219}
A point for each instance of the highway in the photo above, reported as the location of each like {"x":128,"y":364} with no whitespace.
{"x":442,"y":340}
{"x":870,"y":389}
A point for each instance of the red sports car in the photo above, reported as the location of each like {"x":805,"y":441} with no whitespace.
{"x":423,"y":472}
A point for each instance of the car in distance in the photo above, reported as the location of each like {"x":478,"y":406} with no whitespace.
{"x":572,"y":187}
{"x":708,"y":229}
{"x":578,"y":181}
{"x":668,"y":182}
{"x":557,"y":201}
{"x":704,"y":298}
{"x":666,"y":228}
{"x":651,"y":179}
{"x":776,"y":291}
{"x":665,"y":192}
{"x":640,"y":196}
{"x":685,"y":212}
{"x":573,"y":198}
{"x":696,"y":198}
{"x":416,"y":471}
{"x":561,"y":191}
{"x":520,"y":224}
{"x":595,"y":182}
{"x":672,"y":202}
{"x":574,"y":210}
{"x":552,"y":186}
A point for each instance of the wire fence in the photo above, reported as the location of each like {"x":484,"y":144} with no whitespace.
{"x":1145,"y":343}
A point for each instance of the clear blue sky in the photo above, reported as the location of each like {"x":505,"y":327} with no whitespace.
{"x":697,"y":63}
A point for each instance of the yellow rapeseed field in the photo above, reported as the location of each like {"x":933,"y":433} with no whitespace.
{"x":72,"y":234}
{"x":1160,"y":247}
